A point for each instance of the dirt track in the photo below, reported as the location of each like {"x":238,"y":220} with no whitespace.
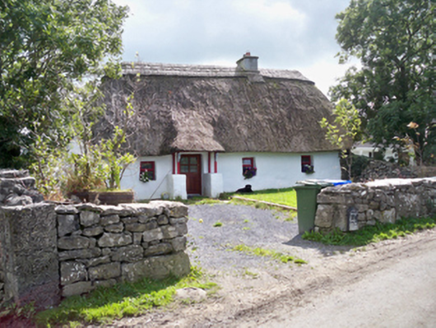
{"x":390,"y":284}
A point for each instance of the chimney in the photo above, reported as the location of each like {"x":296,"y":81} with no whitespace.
{"x":248,"y":63}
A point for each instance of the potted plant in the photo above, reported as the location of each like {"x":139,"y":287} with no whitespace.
{"x":144,"y":177}
{"x":308,"y":169}
{"x":98,"y":165}
{"x":249,"y":172}
{"x":116,"y":162}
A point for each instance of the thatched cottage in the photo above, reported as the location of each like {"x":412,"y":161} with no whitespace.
{"x":204,"y":130}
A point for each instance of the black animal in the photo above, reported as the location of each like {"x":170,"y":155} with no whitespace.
{"x":246,"y":189}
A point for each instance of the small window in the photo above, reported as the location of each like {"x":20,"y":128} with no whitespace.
{"x":149,"y":169}
{"x":248,"y":168}
{"x":306,"y":164}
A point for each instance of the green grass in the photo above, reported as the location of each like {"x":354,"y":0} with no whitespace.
{"x":123,"y":300}
{"x":288,"y":215}
{"x":286,"y":196}
{"x":284,"y":258}
{"x":372,"y":234}
{"x":199,"y":200}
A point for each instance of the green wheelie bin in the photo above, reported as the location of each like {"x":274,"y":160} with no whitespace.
{"x":306,"y":202}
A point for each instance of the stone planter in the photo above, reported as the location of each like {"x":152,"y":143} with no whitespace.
{"x":111,"y":197}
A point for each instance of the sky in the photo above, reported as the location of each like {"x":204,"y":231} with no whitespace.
{"x":285,"y":34}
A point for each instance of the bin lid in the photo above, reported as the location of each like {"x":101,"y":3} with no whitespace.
{"x":323,"y":182}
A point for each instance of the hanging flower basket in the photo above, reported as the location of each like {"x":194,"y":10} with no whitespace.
{"x":248,"y":173}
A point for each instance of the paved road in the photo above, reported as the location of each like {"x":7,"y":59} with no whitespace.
{"x":398,"y":292}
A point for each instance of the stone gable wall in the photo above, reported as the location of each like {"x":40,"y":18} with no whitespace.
{"x":353,"y":206}
{"x":72,"y":249}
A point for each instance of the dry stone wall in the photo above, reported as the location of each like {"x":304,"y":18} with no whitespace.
{"x":72,"y":249}
{"x":353,"y":206}
{"x":386,"y":170}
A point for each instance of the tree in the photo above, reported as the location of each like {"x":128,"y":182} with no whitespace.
{"x":46,"y":46}
{"x":395,"y":41}
{"x":345,"y":130}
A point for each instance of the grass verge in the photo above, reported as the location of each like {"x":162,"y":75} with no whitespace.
{"x":284,"y":258}
{"x":286,"y":196}
{"x":123,"y":300}
{"x":287,"y":215}
{"x":372,"y":234}
{"x":277,"y":196}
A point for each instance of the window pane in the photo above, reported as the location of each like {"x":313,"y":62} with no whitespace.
{"x":147,"y":166}
{"x":306,"y":160}
{"x":184,"y":168}
{"x":184,"y":160}
{"x":193,"y":160}
{"x":246,"y":161}
{"x":193,"y":169}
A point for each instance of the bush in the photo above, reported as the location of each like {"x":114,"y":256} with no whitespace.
{"x":358,"y":165}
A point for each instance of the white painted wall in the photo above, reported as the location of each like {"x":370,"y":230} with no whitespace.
{"x":274,"y":170}
{"x":177,"y":186}
{"x":153,"y":188}
{"x":212,"y":185}
{"x":369,"y":151}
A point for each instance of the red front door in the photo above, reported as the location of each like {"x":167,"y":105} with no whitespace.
{"x":190,"y":165}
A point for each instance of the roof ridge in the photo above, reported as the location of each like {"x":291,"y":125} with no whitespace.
{"x":190,"y":70}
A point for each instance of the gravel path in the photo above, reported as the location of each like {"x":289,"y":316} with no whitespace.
{"x":209,"y":246}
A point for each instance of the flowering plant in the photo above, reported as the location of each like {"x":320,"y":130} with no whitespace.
{"x":308,"y":168}
{"x":144,"y":177}
{"x":248,"y":173}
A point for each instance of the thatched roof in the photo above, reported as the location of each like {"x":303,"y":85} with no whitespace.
{"x":211,"y":108}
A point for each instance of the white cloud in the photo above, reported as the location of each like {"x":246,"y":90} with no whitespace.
{"x":325,"y":73}
{"x":270,"y":10}
{"x":286,"y":34}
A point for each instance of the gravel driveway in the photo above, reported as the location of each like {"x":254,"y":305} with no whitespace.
{"x":209,"y":246}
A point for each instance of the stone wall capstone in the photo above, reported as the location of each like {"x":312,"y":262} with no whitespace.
{"x":18,"y":188}
{"x":353,"y":206}
{"x":49,"y":252}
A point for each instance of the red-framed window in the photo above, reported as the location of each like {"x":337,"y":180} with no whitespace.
{"x":148,"y":167}
{"x":248,"y":168}
{"x":247,"y":163}
{"x":306,"y":163}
